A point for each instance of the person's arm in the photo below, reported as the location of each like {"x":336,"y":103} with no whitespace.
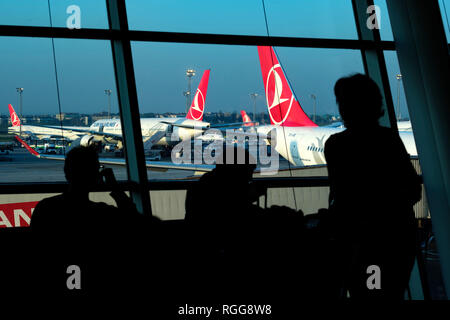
{"x":124,"y":203}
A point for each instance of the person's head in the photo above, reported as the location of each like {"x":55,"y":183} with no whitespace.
{"x":82,"y":167}
{"x":237,"y":163}
{"x":227,"y":189}
{"x":359,"y":100}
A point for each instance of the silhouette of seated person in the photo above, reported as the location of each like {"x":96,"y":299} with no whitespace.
{"x":373,"y":187}
{"x":235,"y":242}
{"x":70,"y":229}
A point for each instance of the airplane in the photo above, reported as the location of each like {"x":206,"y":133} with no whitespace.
{"x":42,"y":132}
{"x":151,"y":165}
{"x":299,"y":140}
{"x":161,"y":131}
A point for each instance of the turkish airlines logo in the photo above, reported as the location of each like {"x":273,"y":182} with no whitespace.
{"x":15,"y":120}
{"x":197,"y":107}
{"x":279,"y":106}
{"x":246,"y":118}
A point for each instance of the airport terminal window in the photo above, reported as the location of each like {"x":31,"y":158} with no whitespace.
{"x":160,"y":70}
{"x":85,"y":68}
{"x":312,"y":19}
{"x":85,"y":71}
{"x":396,"y":84}
{"x":385,"y":24}
{"x":445,"y":13}
{"x":28,"y":13}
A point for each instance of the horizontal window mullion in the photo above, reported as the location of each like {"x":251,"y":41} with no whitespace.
{"x":203,"y":38}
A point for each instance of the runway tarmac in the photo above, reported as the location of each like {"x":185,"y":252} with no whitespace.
{"x":20,"y":166}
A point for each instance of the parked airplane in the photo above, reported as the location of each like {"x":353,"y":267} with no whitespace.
{"x":41,"y":132}
{"x":152,"y":165}
{"x":154,"y":130}
{"x":298,"y":139}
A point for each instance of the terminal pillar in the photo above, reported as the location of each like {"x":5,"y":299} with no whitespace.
{"x":423,"y":56}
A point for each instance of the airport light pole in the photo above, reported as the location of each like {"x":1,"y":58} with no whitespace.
{"x":189,"y":74}
{"x":313,"y":96}
{"x":254,"y":96}
{"x":108,"y":93}
{"x":399,"y":79}
{"x":20,"y":91}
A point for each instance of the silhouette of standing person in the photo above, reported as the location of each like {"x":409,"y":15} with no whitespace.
{"x":373,"y":187}
{"x":70,"y":229}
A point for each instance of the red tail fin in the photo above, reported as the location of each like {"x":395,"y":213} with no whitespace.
{"x":30,"y":149}
{"x":246,"y":118}
{"x":15,"y":121}
{"x":284,"y":109}
{"x":198,"y":103}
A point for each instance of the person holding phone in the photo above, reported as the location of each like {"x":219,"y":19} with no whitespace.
{"x":70,"y":229}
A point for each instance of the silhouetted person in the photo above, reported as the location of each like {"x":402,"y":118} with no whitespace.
{"x":373,"y":187}
{"x":70,"y":229}
{"x":238,"y":248}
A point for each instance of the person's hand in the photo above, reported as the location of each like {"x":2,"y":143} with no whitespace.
{"x":110,"y":179}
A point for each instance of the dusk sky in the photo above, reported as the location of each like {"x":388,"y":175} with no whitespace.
{"x":85,"y":67}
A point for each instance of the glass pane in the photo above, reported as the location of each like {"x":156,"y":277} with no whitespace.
{"x":24,"y":13}
{"x":445,"y":13}
{"x":385,"y":27}
{"x":65,"y":13}
{"x":85,"y":76}
{"x":384,"y":22}
{"x":235,"y":75}
{"x":317,"y":19}
{"x":396,"y":84}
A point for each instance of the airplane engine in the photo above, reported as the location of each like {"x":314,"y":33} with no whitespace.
{"x":86,"y":140}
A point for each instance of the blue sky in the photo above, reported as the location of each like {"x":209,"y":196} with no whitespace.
{"x":85,"y":66}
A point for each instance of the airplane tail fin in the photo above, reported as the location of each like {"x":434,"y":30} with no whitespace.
{"x":30,"y":149}
{"x":15,"y":121}
{"x":246,"y":118}
{"x":284,"y":108}
{"x":198,"y":103}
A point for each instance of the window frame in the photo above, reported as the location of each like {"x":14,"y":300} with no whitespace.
{"x":368,"y":42}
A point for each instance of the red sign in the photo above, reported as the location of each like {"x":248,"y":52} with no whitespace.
{"x":16,"y":214}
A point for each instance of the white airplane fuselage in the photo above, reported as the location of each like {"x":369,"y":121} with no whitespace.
{"x":150,"y":126}
{"x":304,"y":146}
{"x":46,"y":132}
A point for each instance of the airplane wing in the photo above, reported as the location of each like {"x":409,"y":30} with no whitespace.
{"x":186,"y":126}
{"x":215,"y":126}
{"x":152,"y":165}
{"x":235,"y":125}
